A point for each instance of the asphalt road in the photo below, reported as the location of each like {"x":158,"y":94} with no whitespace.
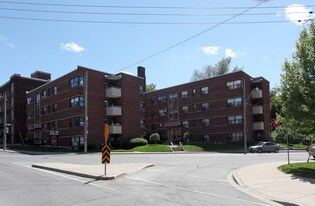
{"x":175,"y":179}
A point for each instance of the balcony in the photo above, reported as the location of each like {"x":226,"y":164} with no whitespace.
{"x":258,"y":126}
{"x":113,"y":92}
{"x":113,"y":111}
{"x":115,"y":129}
{"x":257,"y":94}
{"x":258,"y":109}
{"x":37,"y":126}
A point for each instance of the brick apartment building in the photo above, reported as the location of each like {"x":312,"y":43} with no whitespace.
{"x":14,"y":91}
{"x":56,"y":111}
{"x":212,"y":110}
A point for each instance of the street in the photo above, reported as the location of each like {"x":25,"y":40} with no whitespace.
{"x":175,"y":179}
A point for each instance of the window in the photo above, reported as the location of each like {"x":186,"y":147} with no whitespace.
{"x":77,"y":121}
{"x":234,"y":102}
{"x":194,"y":107}
{"x":77,"y":141}
{"x":173,"y":117}
{"x":77,"y":101}
{"x":162,"y":112}
{"x":55,"y":107}
{"x":29,"y":100}
{"x":152,"y":127}
{"x":152,"y":100}
{"x":142,"y":89}
{"x":55,"y":90}
{"x":152,"y":113}
{"x":194,"y":92}
{"x":184,"y":109}
{"x":234,"y":84}
{"x":162,"y":99}
{"x":237,"y":119}
{"x":204,"y":90}
{"x":76,"y":81}
{"x":174,"y":95}
{"x":28,"y":115}
{"x":205,"y":122}
{"x":142,"y":125}
{"x":205,"y":106}
{"x":185,"y":124}
{"x":206,"y":138}
{"x":37,"y":98}
{"x":44,"y":110}
{"x":184,"y":94}
{"x":236,"y":137}
{"x":44,"y":94}
{"x":142,"y":106}
{"x":54,"y":125}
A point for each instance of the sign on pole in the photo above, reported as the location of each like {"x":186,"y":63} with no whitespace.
{"x":106,"y":131}
{"x":105,"y":153}
{"x":275,"y":122}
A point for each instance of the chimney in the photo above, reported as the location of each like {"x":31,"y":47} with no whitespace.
{"x":41,"y":75}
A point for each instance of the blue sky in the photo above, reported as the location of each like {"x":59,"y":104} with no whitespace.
{"x":55,"y":36}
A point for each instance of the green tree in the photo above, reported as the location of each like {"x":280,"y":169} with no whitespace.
{"x":187,"y":137}
{"x":297,"y":90}
{"x":155,"y":138}
{"x":150,"y":87}
{"x":222,"y":67}
{"x":275,"y":102}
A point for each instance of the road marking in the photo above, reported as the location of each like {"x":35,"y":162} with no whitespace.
{"x":194,"y":191}
{"x":65,"y":176}
{"x":193,"y":176}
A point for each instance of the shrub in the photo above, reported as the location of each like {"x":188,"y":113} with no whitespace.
{"x":155,"y":138}
{"x":138,"y":141}
{"x":187,"y":137}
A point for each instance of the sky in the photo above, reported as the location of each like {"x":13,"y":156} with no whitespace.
{"x":170,"y":39}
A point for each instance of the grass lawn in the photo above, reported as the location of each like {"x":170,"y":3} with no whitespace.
{"x":146,"y":148}
{"x":294,"y":146}
{"x":302,"y":169}
{"x":211,"y":147}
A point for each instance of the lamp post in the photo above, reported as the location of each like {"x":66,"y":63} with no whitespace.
{"x":4,"y":121}
{"x":245,"y":113}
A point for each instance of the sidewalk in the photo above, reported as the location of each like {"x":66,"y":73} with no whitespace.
{"x":93,"y":171}
{"x":266,"y":182}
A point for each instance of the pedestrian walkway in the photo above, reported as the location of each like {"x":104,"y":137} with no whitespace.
{"x":266,"y":182}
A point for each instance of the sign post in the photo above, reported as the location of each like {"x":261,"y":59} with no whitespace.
{"x":106,"y":148}
{"x":105,"y":154}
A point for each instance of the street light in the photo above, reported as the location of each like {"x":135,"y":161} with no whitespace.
{"x":85,"y":90}
{"x":245,"y":126}
{"x":4,"y":122}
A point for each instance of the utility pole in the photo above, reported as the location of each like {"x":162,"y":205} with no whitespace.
{"x":86,"y":111}
{"x":245,"y":128}
{"x":5,"y":122}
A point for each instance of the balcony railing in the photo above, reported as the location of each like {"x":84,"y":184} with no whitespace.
{"x":113,"y":92}
{"x":258,"y":126}
{"x":257,"y":94}
{"x":115,"y":129}
{"x":258,"y":109}
{"x":113,"y":111}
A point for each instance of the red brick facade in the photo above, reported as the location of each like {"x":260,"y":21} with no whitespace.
{"x":212,"y":110}
{"x":59,"y":110}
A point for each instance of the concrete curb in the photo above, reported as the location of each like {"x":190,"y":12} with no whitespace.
{"x":86,"y":175}
{"x":103,"y":177}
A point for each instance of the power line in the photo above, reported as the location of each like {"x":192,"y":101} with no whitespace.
{"x":143,"y":14}
{"x":140,"y":22}
{"x":192,"y":37}
{"x":140,"y":7}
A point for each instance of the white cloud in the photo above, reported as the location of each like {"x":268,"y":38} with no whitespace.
{"x":210,"y":50}
{"x":296,"y":12}
{"x":4,"y":41}
{"x":230,"y":53}
{"x":71,"y":46}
